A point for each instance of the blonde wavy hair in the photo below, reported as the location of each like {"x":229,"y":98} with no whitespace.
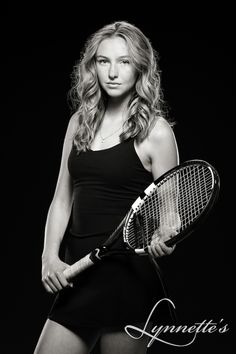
{"x":89,"y":100}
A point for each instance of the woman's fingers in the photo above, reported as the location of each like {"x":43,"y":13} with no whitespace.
{"x":62,"y":279}
{"x":156,"y":250}
{"x":49,"y":284}
{"x":53,"y":278}
{"x":54,"y":282}
{"x":158,"y":247}
{"x":47,"y":288}
{"x":167,"y":250}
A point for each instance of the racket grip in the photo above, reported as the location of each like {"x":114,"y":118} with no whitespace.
{"x":78,"y":267}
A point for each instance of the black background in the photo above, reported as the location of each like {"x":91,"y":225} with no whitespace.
{"x":42,"y":45}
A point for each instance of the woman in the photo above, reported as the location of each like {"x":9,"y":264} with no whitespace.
{"x":116,"y":143}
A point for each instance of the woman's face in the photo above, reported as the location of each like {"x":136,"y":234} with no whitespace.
{"x":116,"y":73}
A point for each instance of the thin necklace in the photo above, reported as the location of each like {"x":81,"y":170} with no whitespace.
{"x":108,"y":136}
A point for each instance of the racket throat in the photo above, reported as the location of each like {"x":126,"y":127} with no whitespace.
{"x":139,"y":228}
{"x":98,"y":254}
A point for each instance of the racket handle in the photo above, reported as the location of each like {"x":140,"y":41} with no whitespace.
{"x":78,"y":267}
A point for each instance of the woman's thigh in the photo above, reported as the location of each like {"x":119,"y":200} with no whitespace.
{"x":117,"y":341}
{"x":58,"y":339}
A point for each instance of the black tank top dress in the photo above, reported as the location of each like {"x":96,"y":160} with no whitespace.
{"x":120,"y":290}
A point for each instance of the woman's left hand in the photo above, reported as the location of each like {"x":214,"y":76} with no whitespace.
{"x":158,"y":247}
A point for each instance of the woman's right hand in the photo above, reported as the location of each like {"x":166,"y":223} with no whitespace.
{"x":53,"y":278}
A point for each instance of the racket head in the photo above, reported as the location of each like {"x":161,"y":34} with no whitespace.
{"x":191,"y":188}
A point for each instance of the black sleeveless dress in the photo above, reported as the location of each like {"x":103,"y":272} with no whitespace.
{"x":117,"y":291}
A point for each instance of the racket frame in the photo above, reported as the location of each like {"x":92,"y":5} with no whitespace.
{"x":151,"y":188}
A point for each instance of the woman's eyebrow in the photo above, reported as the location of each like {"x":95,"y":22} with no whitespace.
{"x":120,"y":57}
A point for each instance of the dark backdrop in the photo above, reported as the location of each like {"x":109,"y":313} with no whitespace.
{"x":197,"y":66}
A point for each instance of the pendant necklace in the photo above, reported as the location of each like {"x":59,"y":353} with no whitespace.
{"x":108,"y":136}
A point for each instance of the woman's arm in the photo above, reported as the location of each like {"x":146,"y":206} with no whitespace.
{"x":163,"y":150}
{"x":57,"y":220}
{"x":163,"y":155}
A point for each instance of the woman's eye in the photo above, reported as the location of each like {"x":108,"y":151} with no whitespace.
{"x":125,"y":62}
{"x":102,"y":61}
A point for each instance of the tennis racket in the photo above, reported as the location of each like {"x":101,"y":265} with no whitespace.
{"x":180,"y":200}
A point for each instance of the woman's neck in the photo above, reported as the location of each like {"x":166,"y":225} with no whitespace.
{"x":117,"y":107}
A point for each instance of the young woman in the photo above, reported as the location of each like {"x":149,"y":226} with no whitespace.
{"x":117,"y":142}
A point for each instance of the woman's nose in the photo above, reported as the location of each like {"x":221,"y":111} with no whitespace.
{"x":113,"y":71}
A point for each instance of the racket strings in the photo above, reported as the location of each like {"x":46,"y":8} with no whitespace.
{"x":194,"y":195}
{"x":175,"y":203}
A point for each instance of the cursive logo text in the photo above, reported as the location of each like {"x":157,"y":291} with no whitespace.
{"x":206,"y":326}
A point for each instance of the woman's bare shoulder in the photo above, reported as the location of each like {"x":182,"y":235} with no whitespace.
{"x":73,"y":122}
{"x":162,"y":142}
{"x":72,"y":125}
{"x":162,"y":130}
